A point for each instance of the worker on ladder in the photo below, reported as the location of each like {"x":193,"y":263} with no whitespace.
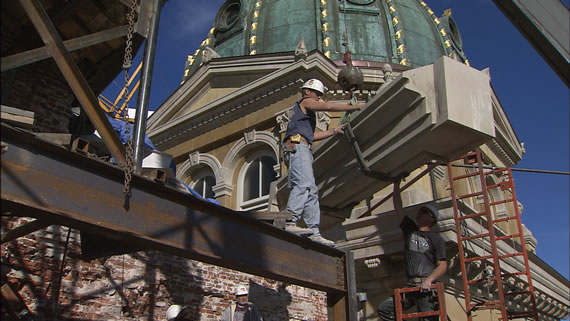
{"x":303,"y":199}
{"x":425,"y":259}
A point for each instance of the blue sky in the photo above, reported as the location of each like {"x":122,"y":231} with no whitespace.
{"x":535,"y":100}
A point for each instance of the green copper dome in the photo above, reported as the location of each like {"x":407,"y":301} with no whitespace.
{"x":405,"y":32}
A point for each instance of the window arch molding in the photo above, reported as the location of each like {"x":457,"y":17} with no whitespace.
{"x":196,"y":162}
{"x":250,"y":141}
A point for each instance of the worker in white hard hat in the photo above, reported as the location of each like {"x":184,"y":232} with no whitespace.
{"x":303,"y":199}
{"x":425,"y":259}
{"x":178,"y":313}
{"x":241,"y":309}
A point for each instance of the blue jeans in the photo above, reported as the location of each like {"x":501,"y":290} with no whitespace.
{"x":423,"y":301}
{"x":304,"y":197}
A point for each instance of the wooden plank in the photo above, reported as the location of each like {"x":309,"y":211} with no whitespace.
{"x":34,"y":55}
{"x":17,"y":117}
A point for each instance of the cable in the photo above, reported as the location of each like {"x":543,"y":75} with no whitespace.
{"x":542,"y":171}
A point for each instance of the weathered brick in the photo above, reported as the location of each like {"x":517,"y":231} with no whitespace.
{"x":131,"y":287}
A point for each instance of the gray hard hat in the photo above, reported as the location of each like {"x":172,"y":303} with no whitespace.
{"x":433,"y":212}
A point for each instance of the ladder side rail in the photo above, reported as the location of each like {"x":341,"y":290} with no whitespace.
{"x":461,"y":253}
{"x":492,"y":237}
{"x":523,"y":244}
{"x":508,"y":184}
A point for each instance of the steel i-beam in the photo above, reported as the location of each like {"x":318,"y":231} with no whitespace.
{"x":47,"y":181}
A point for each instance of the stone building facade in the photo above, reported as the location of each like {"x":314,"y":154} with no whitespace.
{"x":223,"y":127}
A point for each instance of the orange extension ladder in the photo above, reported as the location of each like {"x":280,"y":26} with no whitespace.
{"x":476,"y":169}
{"x":399,"y":296}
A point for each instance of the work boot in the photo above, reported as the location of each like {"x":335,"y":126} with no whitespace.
{"x":293,"y":228}
{"x":319,"y":239}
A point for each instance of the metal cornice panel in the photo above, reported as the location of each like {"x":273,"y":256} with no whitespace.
{"x":46,"y":181}
{"x":546,"y":26}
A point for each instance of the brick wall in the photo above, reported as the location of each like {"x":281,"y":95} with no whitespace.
{"x":138,"y":286}
{"x":40,"y":88}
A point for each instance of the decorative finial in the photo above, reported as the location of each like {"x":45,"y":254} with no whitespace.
{"x":387,"y":69}
{"x":209,"y":54}
{"x":301,"y":51}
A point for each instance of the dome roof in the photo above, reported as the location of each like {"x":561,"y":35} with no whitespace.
{"x":405,"y":32}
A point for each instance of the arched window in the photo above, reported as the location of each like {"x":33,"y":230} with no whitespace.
{"x":255,"y":178}
{"x":203,"y":183}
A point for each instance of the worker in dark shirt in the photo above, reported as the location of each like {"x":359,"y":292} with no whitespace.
{"x":425,"y":259}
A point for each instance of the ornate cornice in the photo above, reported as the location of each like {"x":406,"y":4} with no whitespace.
{"x":203,"y":122}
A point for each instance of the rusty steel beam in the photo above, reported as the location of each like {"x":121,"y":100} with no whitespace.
{"x":74,"y":78}
{"x":545,"y":25}
{"x":47,"y":181}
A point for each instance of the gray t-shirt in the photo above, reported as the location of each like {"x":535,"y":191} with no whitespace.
{"x":423,"y":249}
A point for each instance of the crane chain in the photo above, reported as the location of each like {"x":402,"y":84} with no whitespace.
{"x":124,"y":113}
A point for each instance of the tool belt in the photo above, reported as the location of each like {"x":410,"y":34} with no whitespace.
{"x":416,"y":280}
{"x":294,"y":140}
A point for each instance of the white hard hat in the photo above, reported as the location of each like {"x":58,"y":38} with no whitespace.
{"x":173,"y":312}
{"x":315,"y":84}
{"x":241,"y":290}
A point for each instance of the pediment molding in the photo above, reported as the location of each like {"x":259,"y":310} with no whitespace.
{"x":202,"y":79}
{"x":505,"y":145}
{"x":167,"y":132}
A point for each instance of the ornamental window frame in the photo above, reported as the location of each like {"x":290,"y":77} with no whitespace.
{"x":260,"y":202}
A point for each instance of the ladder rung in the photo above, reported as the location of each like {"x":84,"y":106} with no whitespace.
{"x":476,"y":236}
{"x":506,"y":275}
{"x":502,"y":185}
{"x":510,"y":255}
{"x":456,"y":178}
{"x":478,"y":258}
{"x":501,"y":202}
{"x":504,"y":219}
{"x":495,"y":304}
{"x":469,"y":195}
{"x":464,"y":217}
{"x":493,"y":185}
{"x":498,"y":170}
